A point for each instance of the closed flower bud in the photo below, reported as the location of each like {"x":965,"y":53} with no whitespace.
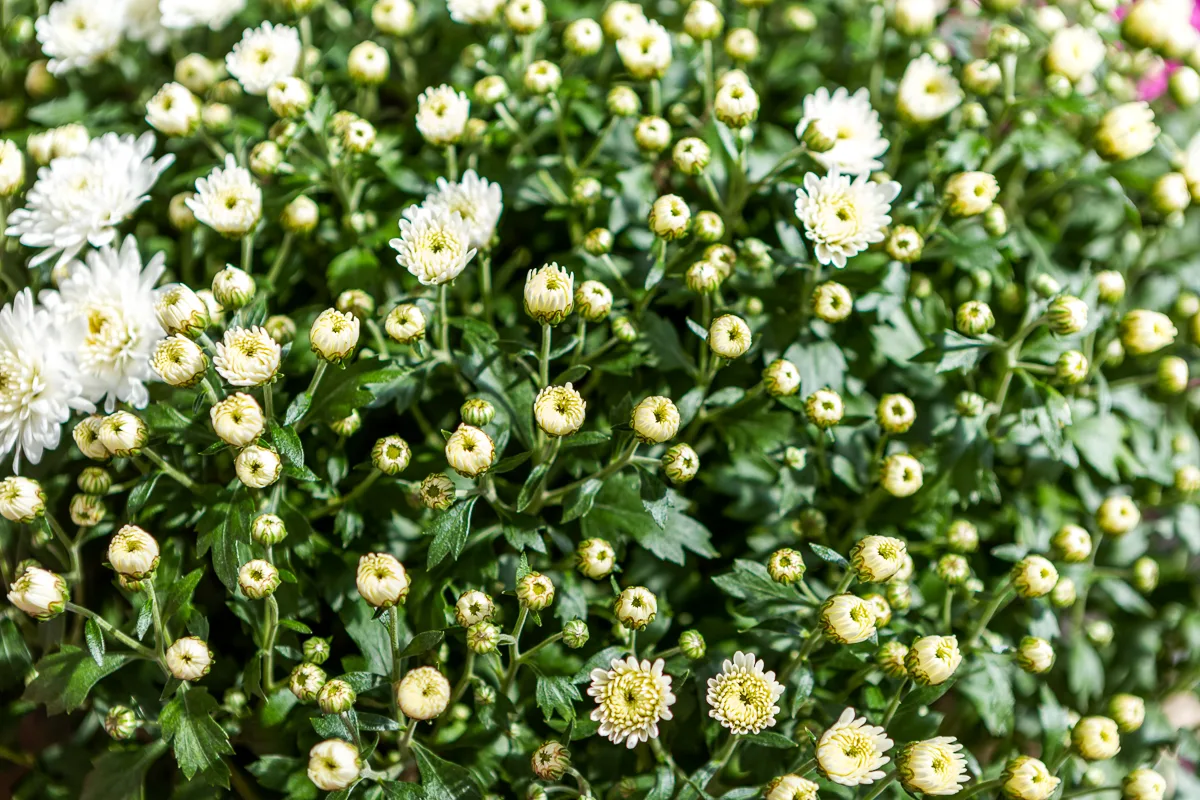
{"x":305,"y":681}
{"x":1170,"y":194}
{"x":729,"y":336}
{"x":901,"y":475}
{"x":995,"y":221}
{"x":1034,"y":576}
{"x":179,"y":361}
{"x":333,"y":765}
{"x":382,"y":580}
{"x":1145,"y":574}
{"x":405,"y":324}
{"x":736,"y":105}
{"x":692,"y":645}
{"x":1128,"y":711}
{"x":336,"y":697}
{"x":1007,"y":39}
{"x":800,"y":18}
{"x":847,"y":619}
{"x":437,"y":492}
{"x":1035,"y":655}
{"x":962,"y":536}
{"x":181,"y":218}
{"x":1096,"y":738}
{"x":257,"y":467}
{"x":680,"y":463}
{"x":824,"y":408}
{"x":267,"y":530}
{"x":670,"y":217}
{"x":703,"y":20}
{"x":334,"y":335}
{"x":594,"y":558}
{"x":1099,"y":632}
{"x":786,"y":566}
{"x":971,"y":193}
{"x":367,"y":64}
{"x":905,"y":244}
{"x":1071,"y":367}
{"x":781,"y":378}
{"x":895,"y":413}
{"x":551,"y":761}
{"x":289,"y":97}
{"x":233,"y":288}
{"x":280,"y":328}
{"x":593,"y":300}
{"x":1111,"y":286}
{"x":899,"y":595}
{"x":880,"y":608}
{"x":931,"y":660}
{"x":708,"y":226}
{"x":933,"y":767}
{"x":1067,"y":315}
{"x":741,"y":44}
{"x":877,"y":558}
{"x":549,"y":294}
{"x":316,"y":650}
{"x":636,"y":607}
{"x":1143,"y":784}
{"x":258,"y":579}
{"x":40,"y":593}
{"x":390,"y":455}
{"x":623,"y":330}
{"x":482,"y":637}
{"x":974,"y":318}
{"x":484,"y":694}
{"x":535,"y":591}
{"x":655,"y":420}
{"x":123,"y":434}
{"x":890,"y":657}
{"x":469,"y":451}
{"x":542,"y":77}
{"x":300,"y":216}
{"x":832,"y":302}
{"x":87,"y":438}
{"x":586,"y":192}
{"x":1126,"y":131}
{"x":121,"y":723}
{"x":691,"y":155}
{"x":472,"y":607}
{"x":575,"y":633}
{"x":583,"y":37}
{"x":181,"y":311}
{"x":623,"y":101}
{"x":703,"y":277}
{"x":974,"y":115}
{"x":356,"y":302}
{"x":1027,"y":778}
{"x":133,"y":553}
{"x":394,"y":17}
{"x":1072,"y":543}
{"x":982,"y":77}
{"x":423,"y":693}
{"x":1144,"y":332}
{"x":189,"y":659}
{"x":1172,"y":375}
{"x":1184,"y":85}
{"x":173,"y":111}
{"x":790,"y":787}
{"x":598,"y":241}
{"x":266,"y":159}
{"x":1118,"y":515}
{"x":1063,"y":594}
{"x":87,"y":510}
{"x":237,"y":420}
{"x":953,"y":569}
{"x":21,"y":499}
{"x":559,"y":410}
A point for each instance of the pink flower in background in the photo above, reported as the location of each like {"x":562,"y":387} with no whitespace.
{"x":1153,"y":86}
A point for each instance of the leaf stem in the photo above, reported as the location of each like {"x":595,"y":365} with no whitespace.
{"x":1002,"y":596}
{"x":178,"y":476}
{"x":895,"y":703}
{"x":272,"y":627}
{"x":160,"y":630}
{"x":106,"y":626}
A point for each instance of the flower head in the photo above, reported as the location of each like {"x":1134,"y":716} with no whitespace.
{"x":423,"y":693}
{"x":474,"y":12}
{"x":635,"y":607}
{"x":405,"y":323}
{"x":1034,"y":576}
{"x":933,"y":659}
{"x":594,"y":558}
{"x":631,"y":698}
{"x":559,"y":410}
{"x":179,"y":361}
{"x":842,"y":217}
{"x":265,"y":55}
{"x":390,"y":455}
{"x":334,"y":335}
{"x":729,"y":336}
{"x":470,"y":451}
{"x":77,"y":34}
{"x":40,"y":593}
{"x":434,"y":244}
{"x":1026,"y":778}
{"x":851,"y":752}
{"x":857,"y":134}
{"x":928,"y":91}
{"x":877,"y":558}
{"x":742,"y":696}
{"x":247,"y":357}
{"x":549,"y":294}
{"x":847,"y":619}
{"x":21,"y":499}
{"x":133,"y":553}
{"x":535,"y":591}
{"x":189,"y":658}
{"x":1096,"y":738}
{"x":227,"y":200}
{"x":237,"y":420}
{"x":258,"y":578}
{"x":645,"y":50}
{"x":442,"y":115}
{"x":211,"y":14}
{"x":173,"y":111}
{"x":933,"y":766}
{"x":333,"y":765}
{"x":472,"y":607}
{"x":257,"y":466}
{"x":791,"y":787}
{"x":306,"y":681}
{"x":1143,"y":784}
{"x":382,"y":580}
{"x":1126,"y":131}
{"x":1144,"y":332}
{"x":478,"y":201}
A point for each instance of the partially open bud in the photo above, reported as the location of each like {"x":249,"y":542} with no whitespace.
{"x":1143,"y":784}
{"x":736,"y":105}
{"x":974,"y":318}
{"x":133,"y":553}
{"x":382,"y":580}
{"x":594,"y":558}
{"x":1072,"y":543}
{"x":473,"y":607}
{"x":636,"y":607}
{"x":123,"y":434}
{"x":233,"y":288}
{"x":1067,"y":315}
{"x":189,"y":659}
{"x":390,"y":455}
{"x":1128,"y":711}
{"x":1172,"y":375}
{"x":1035,"y":655}
{"x":680,"y":463}
{"x":890,"y":657}
{"x":437,"y":492}
{"x":622,"y":101}
{"x":598,"y":241}
{"x":179,"y":361}
{"x":1118,"y":515}
{"x":905,"y":244}
{"x":423,"y":694}
{"x":21,"y":499}
{"x":655,"y":420}
{"x":1071,"y":367}
{"x":931,"y":660}
{"x":832,"y":302}
{"x":877,"y":558}
{"x":847,"y":619}
{"x":786,"y":566}
{"x":971,"y":193}
{"x":258,"y":579}
{"x":1111,"y":286}
{"x":1034,"y":576}
{"x":551,"y":761}
{"x":482,"y":637}
{"x":559,"y":410}
{"x":670,"y":217}
{"x":267,"y":530}
{"x":40,"y":593}
{"x":729,"y":336}
{"x":333,"y":765}
{"x":87,"y":510}
{"x":535,"y":591}
{"x":901,"y":475}
{"x":1096,"y":738}
{"x":306,"y":681}
{"x":469,"y":451}
{"x":1063,"y":594}
{"x":549,"y":294}
{"x":824,"y":408}
{"x":257,"y":467}
{"x":583,"y":37}
{"x":336,"y":697}
{"x":781,"y":378}
{"x":819,"y":135}
{"x":896,"y":413}
{"x":691,"y":155}
{"x":237,"y":420}
{"x":953,"y":569}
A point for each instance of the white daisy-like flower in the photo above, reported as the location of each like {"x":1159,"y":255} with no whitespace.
{"x":934,"y":766}
{"x":478,"y":201}
{"x":227,"y":200}
{"x":77,"y":34}
{"x":442,"y":115}
{"x":106,"y":318}
{"x":266,"y":54}
{"x":434,"y":245}
{"x":143,"y":23}
{"x":859,"y":135}
{"x":631,"y":698}
{"x":173,"y":110}
{"x":928,"y":91}
{"x":851,"y":752}
{"x":843,"y":217}
{"x":39,"y":386}
{"x":211,"y":14}
{"x":474,"y":12}
{"x":80,"y":199}
{"x":247,"y":357}
{"x":12,"y":168}
{"x":742,"y":696}
{"x":646,"y":50}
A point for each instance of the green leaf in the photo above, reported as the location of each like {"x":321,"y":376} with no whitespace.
{"x":372,"y":637}
{"x":95,"y":641}
{"x":771,"y":739}
{"x":450,"y":531}
{"x":15,"y":659}
{"x":145,"y":617}
{"x":188,"y":725}
{"x":750,"y":580}
{"x":287,"y":442}
{"x":989,"y":688}
{"x":376,"y":722}
{"x":1126,"y":597}
{"x":578,"y":501}
{"x":532,"y":485}
{"x":951,"y":350}
{"x":119,"y":775}
{"x":65,"y":678}
{"x":1099,"y":441}
{"x":297,"y":408}
{"x":226,"y":532}
{"x":665,"y":344}
{"x":141,"y":493}
{"x":829,"y":555}
{"x":557,"y":694}
{"x":401,"y":790}
{"x":1085,"y":671}
{"x":655,"y":499}
{"x":800,"y":688}
{"x":180,"y":594}
{"x":664,"y":783}
{"x":443,"y":780}
{"x":422,"y":643}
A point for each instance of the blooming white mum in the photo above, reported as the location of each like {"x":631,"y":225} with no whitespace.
{"x":106,"y":319}
{"x":934,"y":766}
{"x":80,"y":199}
{"x":143,"y":23}
{"x":477,"y":200}
{"x":631,"y":698}
{"x":859,"y":135}
{"x":266,"y":54}
{"x":928,"y":91}
{"x":474,"y":12}
{"x":173,"y":110}
{"x":842,"y":217}
{"x":39,"y":386}
{"x":851,"y":752}
{"x":646,"y":50}
{"x":742,"y":696}
{"x":77,"y":34}
{"x":442,"y":115}
{"x":227,"y":200}
{"x":434,"y":245}
{"x":40,"y":593}
{"x":1075,"y":52}
{"x":247,"y":356}
{"x":211,"y":14}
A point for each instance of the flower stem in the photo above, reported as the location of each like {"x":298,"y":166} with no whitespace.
{"x":722,"y":757}
{"x":162,"y":464}
{"x":895,"y":703}
{"x":443,"y":322}
{"x":514,"y":653}
{"x":880,"y":786}
{"x":485,"y":284}
{"x":272,"y":627}
{"x":451,"y":163}
{"x":268,"y":401}
{"x":544,"y":360}
{"x":248,"y":252}
{"x":160,"y":630}
{"x":107,"y":627}
{"x":281,"y":257}
{"x":998,"y":601}
{"x":982,"y":786}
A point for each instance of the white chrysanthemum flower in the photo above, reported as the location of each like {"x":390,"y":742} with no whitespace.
{"x":265,"y":54}
{"x":227,"y":200}
{"x":847,"y":619}
{"x":933,"y":659}
{"x":928,"y":91}
{"x":470,"y":451}
{"x":842,"y":217}
{"x":646,"y":50}
{"x":80,"y":199}
{"x":405,"y":323}
{"x":189,"y":659}
{"x":211,"y":14}
{"x":133,"y":553}
{"x":791,"y":787}
{"x":1075,"y":52}
{"x":559,"y":410}
{"x":334,"y":335}
{"x":851,"y":752}
{"x":237,"y":420}
{"x":478,"y":201}
{"x":173,"y":111}
{"x":858,"y":134}
{"x":631,"y":698}
{"x":742,"y":696}
{"x":442,"y":115}
{"x":474,"y":12}
{"x":21,"y":499}
{"x":247,"y":357}
{"x":105,"y":315}
{"x":77,"y":34}
{"x":12,"y":168}
{"x":595,"y":559}
{"x":333,"y":765}
{"x":423,"y":693}
{"x":143,"y":23}
{"x":434,"y":245}
{"x":39,"y":386}
{"x":382,"y":580}
{"x":1126,"y":131}
{"x":40,"y":593}
{"x":1027,"y":778}
{"x":933,"y":766}
{"x":549,"y":294}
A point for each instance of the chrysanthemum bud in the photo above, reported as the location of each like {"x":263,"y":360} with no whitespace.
{"x":691,"y":155}
{"x":266,"y":159}
{"x":636,"y":607}
{"x":583,"y":37}
{"x":173,"y":111}
{"x":1143,"y":784}
{"x":670,"y":217}
{"x":622,"y":101}
{"x":38,"y":592}
{"x":390,"y":455}
{"x":542,"y":77}
{"x":575,"y":633}
{"x":423,"y":694}
{"x":741,"y":44}
{"x":1034,"y":576}
{"x":736,"y":105}
{"x":258,"y":467}
{"x":382,"y":580}
{"x":123,"y":434}
{"x":1126,"y":131}
{"x":655,"y":420}
{"x":781,"y":378}
{"x":1111,"y":286}
{"x":623,"y":330}
{"x":233,"y":288}
{"x":703,"y":277}
{"x":692,"y":645}
{"x":981,"y":77}
{"x":876,"y":558}
{"x":367,"y":64}
{"x":535,"y":591}
{"x":824,"y":408}
{"x":891,"y":657}
{"x":87,"y":510}
{"x":1144,"y":331}
{"x":1027,"y":778}
{"x":680,"y":463}
{"x":729,"y":336}
{"x":258,"y":579}
{"x":786,"y":566}
{"x":971,"y":193}
{"x":1099,"y":632}
{"x":974,"y":318}
{"x":289,"y":97}
{"x":405,"y":324}
{"x":551,"y":761}
{"x":267,"y":530}
{"x":482,"y":637}
{"x":1063,"y":594}
{"x":905,"y":244}
{"x":237,"y":420}
{"x":708,"y":226}
{"x":437,"y":492}
{"x":469,"y":451}
{"x":1184,"y":85}
{"x":472,"y":607}
{"x":1072,"y":543}
{"x":121,"y":723}
{"x":594,"y":558}
{"x":933,"y":767}
{"x":316,"y":650}
{"x":901,"y":475}
{"x":1096,"y":738}
{"x":549,"y":294}
{"x":847,"y":619}
{"x":189,"y":659}
{"x":1172,"y":375}
{"x":1145,"y":574}
{"x":953,"y":569}
{"x":593,"y":300}
{"x":895,"y":413}
{"x":133,"y":553}
{"x":832,"y":302}
{"x":1035,"y":655}
{"x":336,"y":697}
{"x":333,"y":765}
{"x":559,"y":410}
{"x":1067,"y":315}
{"x":1128,"y":711}
{"x":196,"y":72}
{"x":1071,"y":367}
{"x":181,"y":311}
{"x":21,"y":499}
{"x":598,"y":241}
{"x":179,"y":361}
{"x":1118,"y":515}
{"x":703,"y":20}
{"x":334,"y":335}
{"x":306,"y":681}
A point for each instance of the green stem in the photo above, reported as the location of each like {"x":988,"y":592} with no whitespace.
{"x":656,"y":97}
{"x":248,"y":252}
{"x":706,"y":52}
{"x":600,"y":140}
{"x":107,"y":627}
{"x":350,"y":496}
{"x":551,"y":639}
{"x":878,"y":788}
{"x":982,"y":786}
{"x":895,"y":703}
{"x":280,"y":259}
{"x":1086,"y":792}
{"x":998,"y":601}
{"x":451,"y":163}
{"x":178,"y":476}
{"x":485,"y":284}
{"x":160,"y":630}
{"x":514,"y":653}
{"x":581,"y":337}
{"x":722,"y":758}
{"x":311,"y":391}
{"x":272,"y":627}
{"x":268,"y":401}
{"x":599,"y":475}
{"x":544,"y":359}
{"x":443,"y":322}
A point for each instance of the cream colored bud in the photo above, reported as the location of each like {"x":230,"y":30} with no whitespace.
{"x":1063,"y":594}
{"x":268,"y":530}
{"x":290,"y":97}
{"x":1096,"y":738}
{"x":405,"y":324}
{"x":394,"y":17}
{"x":133,"y":553}
{"x":655,"y":420}
{"x":729,"y":336}
{"x":1035,"y":655}
{"x":189,"y":659}
{"x":1111,"y":286}
{"x":974,"y":318}
{"x":623,"y":101}
{"x":593,"y":300}
{"x":1071,"y":367}
{"x":1126,"y":131}
{"x":736,"y":105}
{"x":1128,"y":711}
{"x":382,"y":580}
{"x":233,"y":288}
{"x":257,"y":467}
{"x":652,"y":134}
{"x":535,"y":591}
{"x":781,"y":378}
{"x":1118,"y":515}
{"x":905,"y":244}
{"x":832,"y":302}
{"x":368,"y":64}
{"x":333,"y":765}
{"x":583,"y":37}
{"x":847,"y":619}
{"x":306,"y":681}
{"x":594,"y":558}
{"x":1143,"y":784}
{"x":542,"y":77}
{"x":423,"y":693}
{"x":179,"y":361}
{"x":549,"y":294}
{"x":87,"y":438}
{"x":123,"y":434}
{"x":635,"y":607}
{"x":901,"y":475}
{"x":670,"y":217}
{"x":1034,"y":576}
{"x":680,"y":463}
{"x":334,"y":335}
{"x":437,"y":492}
{"x":1144,"y":332}
{"x":469,"y":451}
{"x":1027,"y":778}
{"x":181,"y":311}
{"x":1067,"y":315}
{"x":21,"y":499}
{"x":1072,"y":543}
{"x":336,"y":697}
{"x":390,"y":455}
{"x":877,"y":558}
{"x":40,"y":593}
{"x":786,"y":566}
{"x":931,"y":660}
{"x":196,"y":72}
{"x":982,"y":77}
{"x":559,"y":410}
{"x":473,"y":607}
{"x":237,"y":420}
{"x":895,"y":413}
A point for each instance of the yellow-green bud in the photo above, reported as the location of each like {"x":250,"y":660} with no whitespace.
{"x":974,"y":318}
{"x":786,"y":566}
